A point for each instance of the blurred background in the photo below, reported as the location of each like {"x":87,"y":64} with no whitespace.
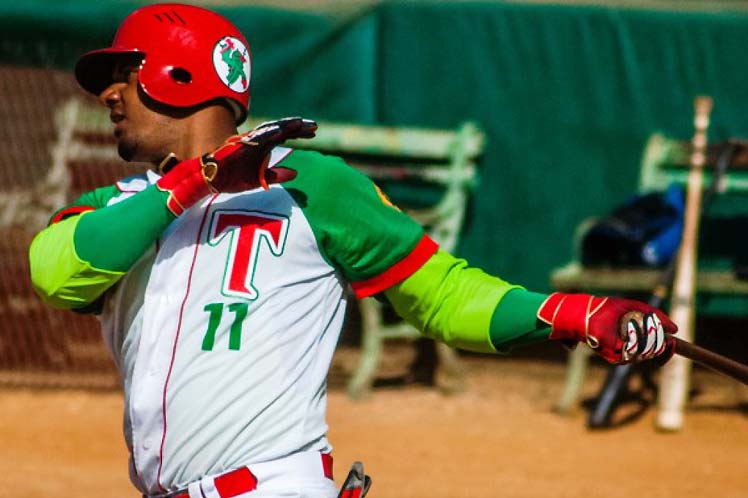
{"x":566,"y":94}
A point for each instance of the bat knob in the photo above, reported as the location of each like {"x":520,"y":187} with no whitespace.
{"x":670,"y":420}
{"x":634,"y":317}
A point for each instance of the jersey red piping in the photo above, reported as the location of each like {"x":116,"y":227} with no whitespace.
{"x":176,"y":340}
{"x":399,"y":271}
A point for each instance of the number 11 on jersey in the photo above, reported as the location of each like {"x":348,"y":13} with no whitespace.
{"x":214,"y":320}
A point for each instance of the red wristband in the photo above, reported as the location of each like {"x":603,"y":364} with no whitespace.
{"x":186,"y":185}
{"x":569,"y":314}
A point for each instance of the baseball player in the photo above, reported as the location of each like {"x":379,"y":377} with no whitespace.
{"x":220,"y":274}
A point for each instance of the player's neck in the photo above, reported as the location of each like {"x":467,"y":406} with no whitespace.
{"x":205,"y":131}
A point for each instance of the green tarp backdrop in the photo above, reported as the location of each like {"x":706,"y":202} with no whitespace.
{"x":567,"y":95}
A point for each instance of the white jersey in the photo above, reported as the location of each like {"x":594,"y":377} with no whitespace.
{"x":224,"y":331}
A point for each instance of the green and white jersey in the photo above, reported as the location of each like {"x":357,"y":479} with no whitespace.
{"x":224,"y":330}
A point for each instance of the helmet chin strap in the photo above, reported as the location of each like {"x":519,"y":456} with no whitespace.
{"x":240,"y":114}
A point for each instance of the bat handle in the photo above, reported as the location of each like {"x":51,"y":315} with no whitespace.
{"x":717,"y":362}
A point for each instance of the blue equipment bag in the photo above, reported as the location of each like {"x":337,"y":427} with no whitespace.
{"x":645,"y":231}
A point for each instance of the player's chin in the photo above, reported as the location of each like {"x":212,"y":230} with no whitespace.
{"x":127,"y":150}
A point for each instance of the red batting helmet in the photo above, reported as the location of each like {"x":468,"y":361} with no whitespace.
{"x":190,"y":55}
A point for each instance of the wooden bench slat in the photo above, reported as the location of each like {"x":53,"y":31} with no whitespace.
{"x":419,"y":143}
{"x":574,"y":276}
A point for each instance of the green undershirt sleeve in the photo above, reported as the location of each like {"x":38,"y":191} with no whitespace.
{"x":514,"y":322}
{"x":467,"y":308}
{"x":114,"y":237}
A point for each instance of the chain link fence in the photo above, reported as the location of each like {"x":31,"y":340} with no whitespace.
{"x":40,"y":346}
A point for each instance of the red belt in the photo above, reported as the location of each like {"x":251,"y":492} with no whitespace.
{"x":242,"y":480}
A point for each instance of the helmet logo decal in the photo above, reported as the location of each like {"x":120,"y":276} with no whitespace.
{"x":231,"y":62}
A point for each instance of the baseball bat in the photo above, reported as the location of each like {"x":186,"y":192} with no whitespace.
{"x":710,"y":359}
{"x":675,"y":374}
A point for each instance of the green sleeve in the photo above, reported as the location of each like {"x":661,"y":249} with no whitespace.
{"x":77,"y":258}
{"x":466,"y":308}
{"x":357,"y":228}
{"x":114,"y":237}
{"x":451,"y":302}
{"x":59,"y":275}
{"x":89,"y":201}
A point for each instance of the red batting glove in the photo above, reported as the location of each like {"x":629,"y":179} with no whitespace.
{"x":238,"y":165}
{"x":608,"y":326}
{"x":241,"y":163}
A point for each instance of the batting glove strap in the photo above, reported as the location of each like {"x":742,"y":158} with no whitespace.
{"x":186,"y":184}
{"x":569,"y":314}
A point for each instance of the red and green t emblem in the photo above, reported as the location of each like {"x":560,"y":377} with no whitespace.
{"x":248,"y":232}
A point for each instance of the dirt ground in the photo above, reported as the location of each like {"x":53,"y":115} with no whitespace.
{"x":499,"y":438}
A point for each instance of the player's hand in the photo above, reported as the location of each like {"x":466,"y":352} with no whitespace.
{"x":241,"y":163}
{"x":619,"y":330}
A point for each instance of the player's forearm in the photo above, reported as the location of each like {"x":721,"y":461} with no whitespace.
{"x":75,"y":261}
{"x":465,"y":307}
